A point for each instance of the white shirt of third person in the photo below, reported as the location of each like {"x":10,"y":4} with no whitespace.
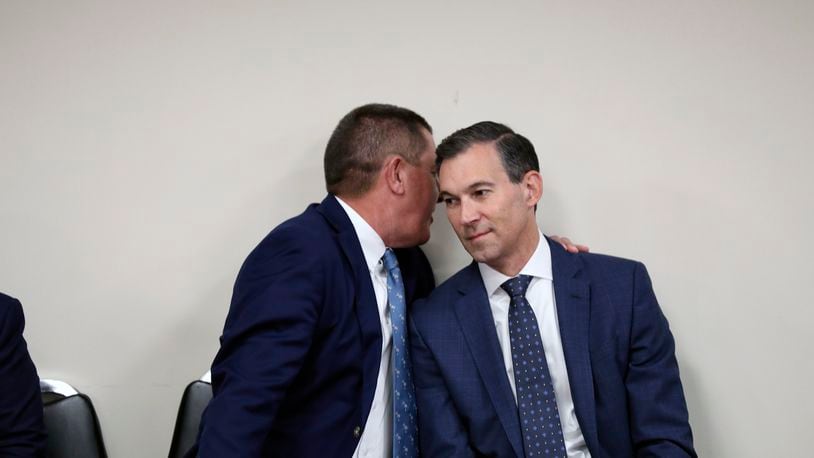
{"x":540,"y":295}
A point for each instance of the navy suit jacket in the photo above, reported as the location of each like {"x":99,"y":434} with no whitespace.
{"x":300,"y":351}
{"x":22,"y":432}
{"x":618,"y":350}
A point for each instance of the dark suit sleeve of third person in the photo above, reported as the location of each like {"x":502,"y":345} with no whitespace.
{"x":22,"y":432}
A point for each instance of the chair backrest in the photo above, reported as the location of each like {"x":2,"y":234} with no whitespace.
{"x":71,"y":422}
{"x":193,"y":402}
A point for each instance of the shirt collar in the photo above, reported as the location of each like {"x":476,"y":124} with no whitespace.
{"x":372,"y":245}
{"x":538,"y":266}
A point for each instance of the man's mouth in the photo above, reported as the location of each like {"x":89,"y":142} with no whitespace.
{"x":477,"y":235}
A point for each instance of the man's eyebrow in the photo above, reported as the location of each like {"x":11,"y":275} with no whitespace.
{"x":442,"y":194}
{"x":479,"y":184}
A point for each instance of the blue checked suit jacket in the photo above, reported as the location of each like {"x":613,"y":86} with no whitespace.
{"x":300,"y":351}
{"x":619,"y":354}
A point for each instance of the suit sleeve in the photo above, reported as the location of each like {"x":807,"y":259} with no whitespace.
{"x":658,"y":411}
{"x":440,"y":429}
{"x":275,"y":307}
{"x":22,"y":432}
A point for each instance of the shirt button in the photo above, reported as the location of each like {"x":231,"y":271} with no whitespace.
{"x":357,"y":432}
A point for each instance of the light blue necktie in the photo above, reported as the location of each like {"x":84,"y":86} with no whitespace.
{"x":539,"y":418}
{"x":405,"y":427}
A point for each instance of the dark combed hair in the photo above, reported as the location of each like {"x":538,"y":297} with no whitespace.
{"x":364,"y":138}
{"x":516,"y":151}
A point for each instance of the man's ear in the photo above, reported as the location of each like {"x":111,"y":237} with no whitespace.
{"x":393,"y":173}
{"x":532,"y":187}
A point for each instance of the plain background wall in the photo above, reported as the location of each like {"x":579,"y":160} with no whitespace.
{"x":146,"y":147}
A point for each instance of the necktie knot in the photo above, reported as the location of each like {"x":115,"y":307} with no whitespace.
{"x":389,"y":260}
{"x":517,"y":286}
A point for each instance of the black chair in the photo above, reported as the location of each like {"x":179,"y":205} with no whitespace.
{"x":71,"y":422}
{"x":193,"y":402}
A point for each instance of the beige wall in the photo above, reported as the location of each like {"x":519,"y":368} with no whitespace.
{"x":146,"y":147}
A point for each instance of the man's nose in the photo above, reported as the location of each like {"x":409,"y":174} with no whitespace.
{"x":470,"y":211}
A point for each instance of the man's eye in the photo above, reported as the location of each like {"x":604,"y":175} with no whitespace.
{"x":448,"y":201}
{"x":481,"y":193}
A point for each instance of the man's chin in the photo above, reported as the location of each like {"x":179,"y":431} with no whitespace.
{"x":477,"y":253}
{"x":483,"y":249}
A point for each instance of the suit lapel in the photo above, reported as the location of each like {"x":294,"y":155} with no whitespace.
{"x":476,"y":321}
{"x":572,"y":297}
{"x":367,"y":312}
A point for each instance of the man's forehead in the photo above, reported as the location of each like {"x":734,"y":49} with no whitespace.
{"x":480,"y":159}
{"x":474,"y":169}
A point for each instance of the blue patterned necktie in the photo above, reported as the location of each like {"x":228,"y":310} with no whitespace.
{"x":540,"y":420}
{"x":405,"y":427}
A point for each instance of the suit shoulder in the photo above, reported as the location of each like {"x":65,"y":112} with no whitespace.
{"x":306,"y":225}
{"x":305,"y":241}
{"x":599,"y":260}
{"x":10,"y":308}
{"x":612,"y":272}
{"x":307,"y":232}
{"x":12,"y":321}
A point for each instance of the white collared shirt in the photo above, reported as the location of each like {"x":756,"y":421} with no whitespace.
{"x":540,"y":295}
{"x":377,"y":435}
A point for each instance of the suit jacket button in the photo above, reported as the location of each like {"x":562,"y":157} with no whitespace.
{"x":357,"y":432}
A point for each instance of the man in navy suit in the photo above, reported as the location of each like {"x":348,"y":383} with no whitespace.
{"x":304,"y":368}
{"x":22,"y":432}
{"x":531,"y":350}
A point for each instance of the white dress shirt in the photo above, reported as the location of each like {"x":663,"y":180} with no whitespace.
{"x":377,"y":435}
{"x":540,"y":295}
